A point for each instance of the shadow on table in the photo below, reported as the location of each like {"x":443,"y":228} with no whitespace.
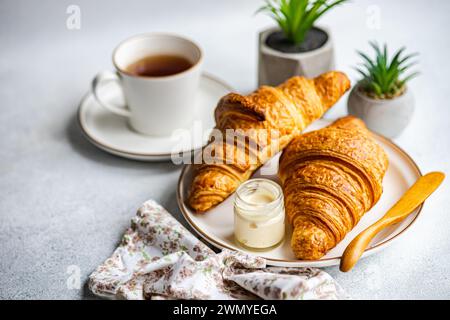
{"x":87,"y":294}
{"x":81,"y":145}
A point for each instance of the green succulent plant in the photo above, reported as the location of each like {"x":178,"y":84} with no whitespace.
{"x":296,"y":17}
{"x":383,"y":78}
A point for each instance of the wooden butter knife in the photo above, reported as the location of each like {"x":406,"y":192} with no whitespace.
{"x":415,"y":195}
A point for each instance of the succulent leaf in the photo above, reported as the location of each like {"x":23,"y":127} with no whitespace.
{"x":297,"y":17}
{"x":381,"y":76}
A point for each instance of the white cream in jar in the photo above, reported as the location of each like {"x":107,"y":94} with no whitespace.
{"x":259,"y":214}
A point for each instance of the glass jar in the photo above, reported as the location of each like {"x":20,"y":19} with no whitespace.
{"x":259,"y":214}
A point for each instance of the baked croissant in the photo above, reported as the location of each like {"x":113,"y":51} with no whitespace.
{"x":330,"y":178}
{"x":268,"y":119}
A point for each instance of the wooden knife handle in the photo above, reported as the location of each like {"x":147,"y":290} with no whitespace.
{"x":415,"y":195}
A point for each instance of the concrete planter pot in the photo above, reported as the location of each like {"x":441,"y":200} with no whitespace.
{"x":388,"y":117}
{"x":275,"y":66}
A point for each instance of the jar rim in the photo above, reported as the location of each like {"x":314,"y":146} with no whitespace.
{"x":255,"y":210}
{"x":276,"y":186}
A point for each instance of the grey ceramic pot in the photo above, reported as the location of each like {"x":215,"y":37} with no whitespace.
{"x":388,"y":117}
{"x":275,"y":66}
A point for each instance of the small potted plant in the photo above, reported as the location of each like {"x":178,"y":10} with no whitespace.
{"x":381,"y":98}
{"x":296,"y":46}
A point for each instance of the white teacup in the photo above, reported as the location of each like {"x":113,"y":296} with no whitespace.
{"x":155,"y":105}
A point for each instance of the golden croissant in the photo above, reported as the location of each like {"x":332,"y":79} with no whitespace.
{"x":330,"y":178}
{"x":269,"y":119}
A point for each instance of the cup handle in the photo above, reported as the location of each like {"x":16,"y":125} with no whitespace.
{"x":101,"y":79}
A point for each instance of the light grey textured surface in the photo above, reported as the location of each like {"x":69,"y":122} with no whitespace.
{"x":63,"y":202}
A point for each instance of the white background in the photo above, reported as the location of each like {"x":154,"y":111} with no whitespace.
{"x":63,"y":202}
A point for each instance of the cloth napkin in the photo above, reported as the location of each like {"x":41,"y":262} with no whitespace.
{"x":160,"y":259}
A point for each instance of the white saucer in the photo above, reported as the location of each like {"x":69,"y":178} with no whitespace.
{"x":112,"y":133}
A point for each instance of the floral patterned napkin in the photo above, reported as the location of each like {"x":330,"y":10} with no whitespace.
{"x":159,"y":259}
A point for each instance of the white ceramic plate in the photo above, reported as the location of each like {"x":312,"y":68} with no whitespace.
{"x":112,"y":133}
{"x":216,"y":225}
